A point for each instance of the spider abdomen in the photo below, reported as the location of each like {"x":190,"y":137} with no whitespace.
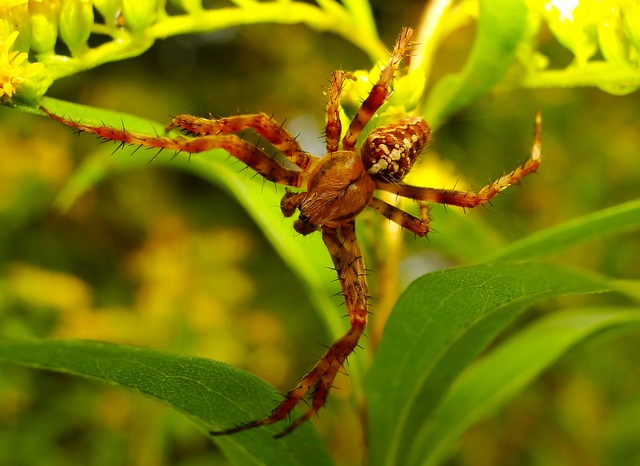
{"x":389,"y":152}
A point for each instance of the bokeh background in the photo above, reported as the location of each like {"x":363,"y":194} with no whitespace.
{"x":159,"y":258}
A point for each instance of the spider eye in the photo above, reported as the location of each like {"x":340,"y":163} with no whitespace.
{"x":389,"y":152}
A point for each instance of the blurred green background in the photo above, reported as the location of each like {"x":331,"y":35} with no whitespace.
{"x":159,"y":258}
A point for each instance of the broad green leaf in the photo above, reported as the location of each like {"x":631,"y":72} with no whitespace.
{"x":496,"y":378}
{"x":600,"y":224}
{"x":443,"y":321}
{"x":502,"y":25}
{"x":214,"y":395}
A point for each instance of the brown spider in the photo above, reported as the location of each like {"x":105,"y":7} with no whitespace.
{"x":334,"y":189}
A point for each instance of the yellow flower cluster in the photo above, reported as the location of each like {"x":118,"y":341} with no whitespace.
{"x":14,"y":67}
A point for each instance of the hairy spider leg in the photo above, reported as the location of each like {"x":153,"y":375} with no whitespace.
{"x":261,"y":123}
{"x":340,"y":239}
{"x":417,"y":226}
{"x":379,"y":92}
{"x":333,"y":128}
{"x":243,"y":150}
{"x":468,"y":198}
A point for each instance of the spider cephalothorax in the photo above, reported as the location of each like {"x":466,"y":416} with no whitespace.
{"x":343,"y":182}
{"x":331,"y":191}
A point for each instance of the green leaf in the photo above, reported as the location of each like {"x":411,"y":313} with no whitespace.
{"x":507,"y":370}
{"x":212,"y":394}
{"x":76,"y":20}
{"x":616,"y":219}
{"x":360,"y":11}
{"x":502,"y":25}
{"x":443,"y":321}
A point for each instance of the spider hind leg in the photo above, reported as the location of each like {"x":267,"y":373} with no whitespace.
{"x":342,"y":244}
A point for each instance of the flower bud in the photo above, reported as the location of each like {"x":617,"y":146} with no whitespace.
{"x":76,"y":21}
{"x":44,"y":24}
{"x":139,"y":14}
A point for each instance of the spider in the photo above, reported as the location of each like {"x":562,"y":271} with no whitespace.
{"x":332,"y":191}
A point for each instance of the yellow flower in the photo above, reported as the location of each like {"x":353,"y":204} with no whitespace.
{"x":14,"y":67}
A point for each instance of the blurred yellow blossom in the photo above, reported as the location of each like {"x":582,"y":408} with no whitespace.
{"x":14,"y":67}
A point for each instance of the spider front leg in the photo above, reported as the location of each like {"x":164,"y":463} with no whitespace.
{"x":341,"y":241}
{"x":467,"y":198}
{"x":261,"y":123}
{"x":243,"y":150}
{"x":379,"y":92}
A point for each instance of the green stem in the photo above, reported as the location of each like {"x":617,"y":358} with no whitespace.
{"x":592,"y":74}
{"x":336,"y":20}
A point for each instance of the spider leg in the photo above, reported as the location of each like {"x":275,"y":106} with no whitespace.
{"x":418,"y":226}
{"x":380,"y":91}
{"x":468,"y":198}
{"x":243,"y":150}
{"x":333,"y":129}
{"x":461,"y":198}
{"x":261,"y":123}
{"x":342,"y":244}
